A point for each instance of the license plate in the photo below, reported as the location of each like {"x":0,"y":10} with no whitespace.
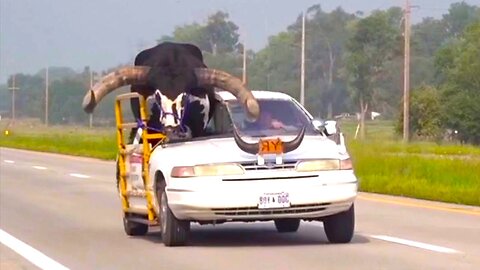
{"x":274,"y":200}
{"x":270,"y":146}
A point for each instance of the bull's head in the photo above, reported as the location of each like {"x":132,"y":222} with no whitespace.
{"x":178,"y":78}
{"x":205,"y":78}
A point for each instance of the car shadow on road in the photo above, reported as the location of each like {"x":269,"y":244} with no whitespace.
{"x":256,"y":234}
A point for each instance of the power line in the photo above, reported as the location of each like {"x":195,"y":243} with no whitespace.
{"x":432,"y":8}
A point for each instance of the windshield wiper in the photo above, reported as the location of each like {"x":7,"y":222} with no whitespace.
{"x":259,"y":136}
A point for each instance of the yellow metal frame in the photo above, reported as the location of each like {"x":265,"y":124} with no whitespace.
{"x":144,"y":114}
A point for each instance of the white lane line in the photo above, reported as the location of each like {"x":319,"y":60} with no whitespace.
{"x":8,"y":161}
{"x":39,"y":167}
{"x":415,"y":244}
{"x":34,"y":256}
{"x":78,"y":175}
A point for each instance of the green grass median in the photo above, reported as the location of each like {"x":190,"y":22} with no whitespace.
{"x":442,"y":177}
{"x":71,"y":140}
{"x":424,"y":170}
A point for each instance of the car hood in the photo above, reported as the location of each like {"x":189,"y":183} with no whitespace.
{"x":220,"y":150}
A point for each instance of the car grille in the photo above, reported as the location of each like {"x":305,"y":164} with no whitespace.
{"x":253,"y":166}
{"x":250,"y":211}
{"x":271,"y":178}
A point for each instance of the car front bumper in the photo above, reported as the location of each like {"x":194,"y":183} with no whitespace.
{"x":312,"y":195}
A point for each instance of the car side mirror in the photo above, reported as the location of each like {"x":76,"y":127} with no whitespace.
{"x":318,"y":124}
{"x":330,"y":127}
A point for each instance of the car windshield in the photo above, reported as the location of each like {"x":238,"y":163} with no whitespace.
{"x":277,"y":117}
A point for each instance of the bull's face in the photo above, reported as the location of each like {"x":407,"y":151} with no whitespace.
{"x":173,"y":114}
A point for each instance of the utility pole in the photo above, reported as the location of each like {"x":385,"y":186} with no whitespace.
{"x":302,"y":72}
{"x":244,"y":74}
{"x":90,"y":120}
{"x":406,"y":73}
{"x":13,"y":88}
{"x":46,"y":96}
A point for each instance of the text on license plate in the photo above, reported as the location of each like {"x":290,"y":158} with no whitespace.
{"x":274,"y":200}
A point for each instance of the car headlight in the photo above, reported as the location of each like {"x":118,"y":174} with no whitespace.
{"x":207,"y":170}
{"x":324,"y":165}
{"x":346,"y":164}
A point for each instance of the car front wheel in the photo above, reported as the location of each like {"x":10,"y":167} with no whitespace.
{"x":287,"y":225}
{"x":174,"y":232}
{"x":339,"y":228}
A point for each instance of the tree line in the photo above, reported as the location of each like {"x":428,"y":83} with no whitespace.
{"x":354,"y":63}
{"x":65,"y":94}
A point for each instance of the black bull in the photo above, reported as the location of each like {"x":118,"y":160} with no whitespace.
{"x":172,"y":68}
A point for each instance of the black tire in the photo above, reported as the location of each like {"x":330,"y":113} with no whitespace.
{"x":287,"y":225}
{"x":174,"y":232}
{"x":133,"y":228}
{"x":339,"y":228}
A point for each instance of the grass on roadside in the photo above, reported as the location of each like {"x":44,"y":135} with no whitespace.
{"x":448,"y":179}
{"x":72,"y":140}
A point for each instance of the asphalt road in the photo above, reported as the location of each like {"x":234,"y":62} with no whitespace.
{"x":62,"y":212}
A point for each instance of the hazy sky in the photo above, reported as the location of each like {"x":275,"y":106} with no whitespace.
{"x":105,"y":33}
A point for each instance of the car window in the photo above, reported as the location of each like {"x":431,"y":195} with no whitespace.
{"x":277,"y":117}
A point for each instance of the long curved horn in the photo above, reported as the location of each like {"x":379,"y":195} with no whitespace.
{"x":252,"y":148}
{"x":112,"y":81}
{"x":295,"y":143}
{"x":221,"y":79}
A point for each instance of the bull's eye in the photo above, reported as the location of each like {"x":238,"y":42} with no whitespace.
{"x":157,"y":102}
{"x":179,"y":105}
{"x":179,"y":113}
{"x":175,"y":112}
{"x":158,"y":97}
{"x":161,"y":114}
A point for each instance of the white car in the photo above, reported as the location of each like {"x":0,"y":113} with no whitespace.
{"x":231,"y":176}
